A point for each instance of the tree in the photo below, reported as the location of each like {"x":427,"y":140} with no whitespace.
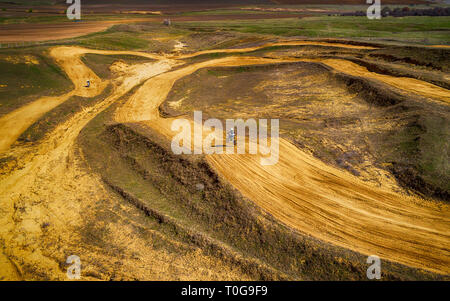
{"x":386,"y":11}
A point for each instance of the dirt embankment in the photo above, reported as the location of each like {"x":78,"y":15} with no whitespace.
{"x":69,"y":58}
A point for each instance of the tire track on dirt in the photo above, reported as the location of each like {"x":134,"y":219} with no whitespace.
{"x":50,"y":173}
{"x":300,"y":190}
{"x":407,"y":84}
{"x":15,"y":123}
{"x":278,"y":44}
{"x":316,"y":199}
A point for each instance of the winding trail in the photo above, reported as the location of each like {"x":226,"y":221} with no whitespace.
{"x":49,"y":171}
{"x":300,"y":191}
{"x":15,"y":123}
{"x":277,"y":44}
{"x":407,"y":84}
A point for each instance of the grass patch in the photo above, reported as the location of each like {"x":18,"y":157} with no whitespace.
{"x":213,"y":12}
{"x":138,"y":37}
{"x":58,"y":115}
{"x":26,"y":75}
{"x":413,"y":29}
{"x":62,"y":18}
{"x":114,"y":41}
{"x":100,"y":63}
{"x":419,"y":154}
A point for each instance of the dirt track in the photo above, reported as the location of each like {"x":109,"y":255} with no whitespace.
{"x":300,"y":190}
{"x":46,"y":173}
{"x":316,"y":199}
{"x":285,"y":43}
{"x":16,"y":122}
{"x":406,"y":84}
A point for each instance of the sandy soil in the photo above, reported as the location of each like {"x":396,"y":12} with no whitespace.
{"x":313,"y":198}
{"x":300,"y":190}
{"x":406,"y":84}
{"x":52,"y":188}
{"x":69,"y":59}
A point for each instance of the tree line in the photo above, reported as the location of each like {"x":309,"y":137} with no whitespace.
{"x":406,"y":11}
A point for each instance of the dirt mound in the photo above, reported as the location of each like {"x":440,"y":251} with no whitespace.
{"x":211,"y":214}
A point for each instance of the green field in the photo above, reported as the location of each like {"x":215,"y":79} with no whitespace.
{"x":62,"y":18}
{"x":427,"y":30}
